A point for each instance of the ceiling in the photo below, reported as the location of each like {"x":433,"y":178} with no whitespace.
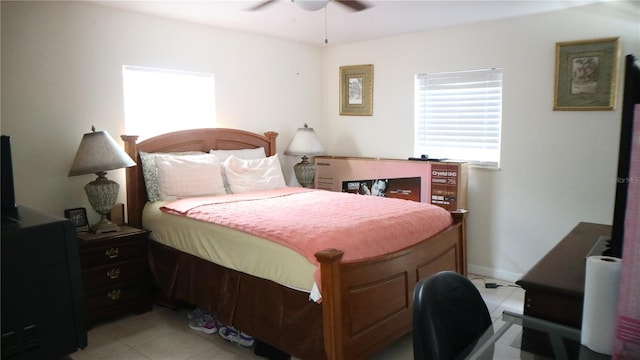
{"x":284,"y":20}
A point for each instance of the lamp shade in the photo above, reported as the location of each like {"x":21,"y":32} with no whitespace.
{"x":98,"y":152}
{"x":305,"y":142}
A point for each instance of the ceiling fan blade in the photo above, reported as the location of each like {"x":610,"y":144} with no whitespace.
{"x":260,"y":5}
{"x":353,"y":4}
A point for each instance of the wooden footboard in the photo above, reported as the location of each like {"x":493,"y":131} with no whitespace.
{"x":368,"y":305}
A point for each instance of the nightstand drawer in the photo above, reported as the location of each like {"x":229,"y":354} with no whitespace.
{"x":111,"y":274}
{"x":115,"y":273}
{"x":111,"y":253}
{"x":115,"y":295}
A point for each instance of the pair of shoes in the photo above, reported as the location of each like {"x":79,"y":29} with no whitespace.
{"x":197,"y":313}
{"x":236,"y":337}
{"x":206,"y":324}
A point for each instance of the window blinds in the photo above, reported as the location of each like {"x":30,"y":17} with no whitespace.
{"x":458,"y":116}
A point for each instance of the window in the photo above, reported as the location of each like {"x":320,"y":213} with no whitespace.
{"x":157,"y":101}
{"x":458,"y":115}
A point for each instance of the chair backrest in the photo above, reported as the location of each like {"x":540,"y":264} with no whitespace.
{"x":449,"y":315}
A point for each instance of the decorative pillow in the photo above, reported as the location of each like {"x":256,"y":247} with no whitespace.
{"x":257,"y":153}
{"x":150,"y":170}
{"x":189,"y":176}
{"x":245,"y":175}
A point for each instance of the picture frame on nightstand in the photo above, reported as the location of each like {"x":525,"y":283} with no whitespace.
{"x":78,"y":217}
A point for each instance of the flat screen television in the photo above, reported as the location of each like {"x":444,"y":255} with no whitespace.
{"x":631,"y":97}
{"x":9,"y":208}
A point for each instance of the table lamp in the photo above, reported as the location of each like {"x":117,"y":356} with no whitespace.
{"x":98,"y":153}
{"x":305,"y":143}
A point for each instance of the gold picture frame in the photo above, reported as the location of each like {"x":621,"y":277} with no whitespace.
{"x":585,"y":74}
{"x":356,"y":90}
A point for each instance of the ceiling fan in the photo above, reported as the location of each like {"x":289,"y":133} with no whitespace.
{"x":313,"y":5}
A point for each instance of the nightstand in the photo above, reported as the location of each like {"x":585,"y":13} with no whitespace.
{"x":115,"y":273}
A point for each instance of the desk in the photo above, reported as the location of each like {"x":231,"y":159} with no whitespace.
{"x":503,"y":341}
{"x":554,"y":287}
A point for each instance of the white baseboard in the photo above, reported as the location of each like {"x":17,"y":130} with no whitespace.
{"x":493,"y":273}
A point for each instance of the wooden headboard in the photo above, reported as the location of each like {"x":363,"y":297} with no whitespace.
{"x":185,"y":140}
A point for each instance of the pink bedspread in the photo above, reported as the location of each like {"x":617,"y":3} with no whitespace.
{"x":308,"y":220}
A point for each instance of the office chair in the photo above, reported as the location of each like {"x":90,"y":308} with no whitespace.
{"x":449,"y":315}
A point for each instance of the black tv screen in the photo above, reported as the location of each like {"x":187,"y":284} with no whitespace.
{"x":9,"y":208}
{"x":631,"y":97}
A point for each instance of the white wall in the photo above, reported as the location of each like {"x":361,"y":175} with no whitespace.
{"x":556,"y":166}
{"x":62,"y":72}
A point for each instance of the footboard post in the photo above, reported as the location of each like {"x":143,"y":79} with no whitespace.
{"x":331,"y":302}
{"x":460,"y":217}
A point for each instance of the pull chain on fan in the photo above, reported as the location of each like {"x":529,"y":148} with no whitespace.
{"x":326,"y":41}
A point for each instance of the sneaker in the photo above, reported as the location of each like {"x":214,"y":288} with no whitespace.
{"x":236,"y":337}
{"x":197,"y":313}
{"x":205,"y":324}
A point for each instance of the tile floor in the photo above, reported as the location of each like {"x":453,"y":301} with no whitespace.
{"x":164,"y":334}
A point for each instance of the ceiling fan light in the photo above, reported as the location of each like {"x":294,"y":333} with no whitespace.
{"x":311,"y":5}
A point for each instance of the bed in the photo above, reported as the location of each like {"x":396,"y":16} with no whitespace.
{"x":365,"y":305}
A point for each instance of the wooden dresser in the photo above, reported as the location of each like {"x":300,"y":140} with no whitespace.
{"x":115,"y":273}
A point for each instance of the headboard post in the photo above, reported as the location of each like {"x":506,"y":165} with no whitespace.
{"x":133,"y":174}
{"x":271,"y":136}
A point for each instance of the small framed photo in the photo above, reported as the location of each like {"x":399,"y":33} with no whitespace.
{"x":585,"y":76}
{"x":78,"y":216}
{"x":356,"y":90}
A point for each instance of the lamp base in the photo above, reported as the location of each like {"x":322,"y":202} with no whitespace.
{"x":102,"y":194}
{"x":103,"y":226}
{"x":305,"y":172}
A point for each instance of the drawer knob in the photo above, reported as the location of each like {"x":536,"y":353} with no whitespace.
{"x":113,"y":273}
{"x":114,"y":294}
{"x":112,"y":253}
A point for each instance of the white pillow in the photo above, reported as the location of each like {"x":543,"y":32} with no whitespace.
{"x":245,"y":175}
{"x":150,"y":170}
{"x":189,"y":176}
{"x":247,"y":154}
{"x":257,"y":153}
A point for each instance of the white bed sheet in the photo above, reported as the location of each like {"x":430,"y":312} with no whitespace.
{"x":231,"y":248}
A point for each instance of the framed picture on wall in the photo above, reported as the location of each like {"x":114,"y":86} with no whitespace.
{"x":356,"y":90}
{"x":585,"y":75}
